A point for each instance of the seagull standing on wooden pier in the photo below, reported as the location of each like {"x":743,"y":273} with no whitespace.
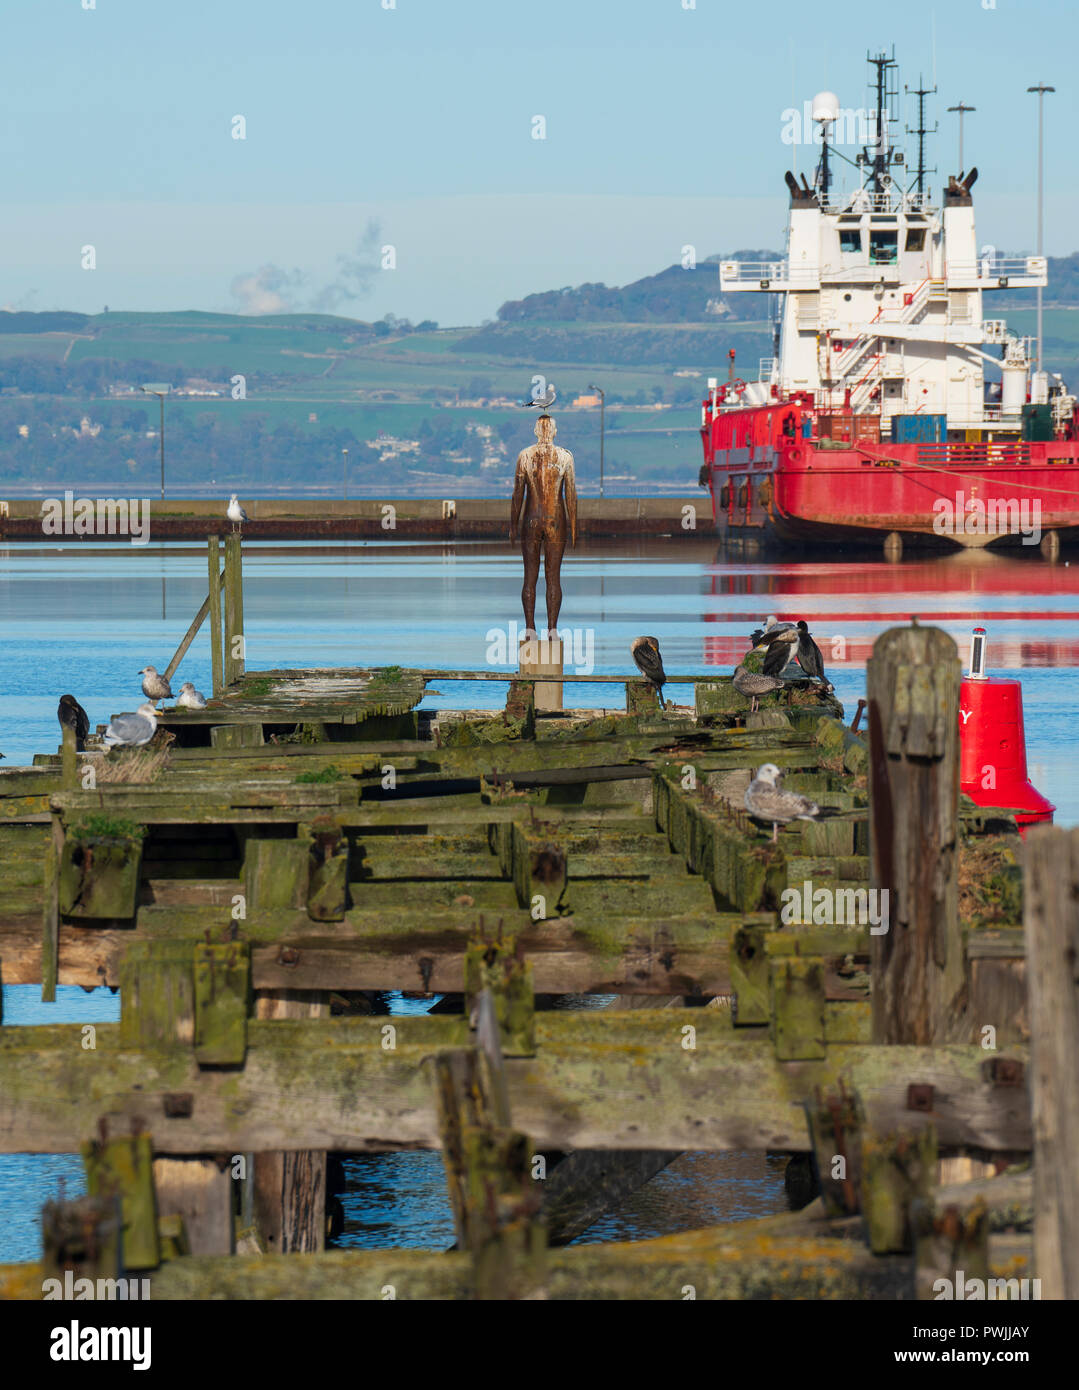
{"x":132,"y":730}
{"x":766,"y":801}
{"x":155,"y":687}
{"x":650,"y":664}
{"x":755,"y":684}
{"x":72,"y":716}
{"x":236,"y":513}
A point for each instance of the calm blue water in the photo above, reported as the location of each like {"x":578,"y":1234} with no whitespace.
{"x":84,"y":620}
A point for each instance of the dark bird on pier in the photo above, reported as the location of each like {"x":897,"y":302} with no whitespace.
{"x":650,"y":664}
{"x":766,"y":801}
{"x":72,"y":716}
{"x":809,"y":656}
{"x":755,"y":684}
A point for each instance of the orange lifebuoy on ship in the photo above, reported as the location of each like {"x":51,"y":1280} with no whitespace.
{"x":743,"y":495}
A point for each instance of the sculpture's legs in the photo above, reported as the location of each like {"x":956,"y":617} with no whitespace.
{"x":552,"y":569}
{"x":530,"y":550}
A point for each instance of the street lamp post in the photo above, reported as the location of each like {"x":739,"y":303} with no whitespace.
{"x":160,"y":389}
{"x":1041,"y":89}
{"x":344,"y":473}
{"x":602,"y":429}
{"x":962,"y":108}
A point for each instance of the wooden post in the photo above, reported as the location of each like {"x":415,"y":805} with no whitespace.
{"x":912,"y":681}
{"x":290,"y":1187}
{"x":200,"y":617}
{"x":197,"y":1195}
{"x":50,"y":929}
{"x":123,"y":1167}
{"x":213,"y":546}
{"x":496,"y":967}
{"x":234,"y":609}
{"x":489,"y":1167}
{"x":896,"y":1169}
{"x":947,"y":1242}
{"x":222,"y":986}
{"x":1051,"y":921}
{"x":82,"y":1236}
{"x":69,"y":773}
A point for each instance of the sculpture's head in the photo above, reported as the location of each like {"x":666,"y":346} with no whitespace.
{"x":545,"y":429}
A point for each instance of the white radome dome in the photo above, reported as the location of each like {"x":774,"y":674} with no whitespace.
{"x":826,"y":106}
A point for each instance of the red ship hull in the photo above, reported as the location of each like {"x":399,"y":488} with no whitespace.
{"x":770,"y":482}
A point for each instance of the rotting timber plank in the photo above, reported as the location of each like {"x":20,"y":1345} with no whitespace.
{"x":420,"y":948}
{"x":770,"y":1258}
{"x":600,"y":1080}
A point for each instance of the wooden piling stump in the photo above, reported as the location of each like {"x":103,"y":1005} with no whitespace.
{"x":123,"y":1168}
{"x":222,"y":977}
{"x":949,"y":1243}
{"x":1051,"y":924}
{"x":539,"y":871}
{"x":750,"y":976}
{"x":99,"y":871}
{"x":896,"y":1169}
{"x":797,"y":1008}
{"x":912,"y":681}
{"x":158,"y":994}
{"x":835,"y":1132}
{"x":83,"y":1235}
{"x":277,"y":873}
{"x":497,"y":967}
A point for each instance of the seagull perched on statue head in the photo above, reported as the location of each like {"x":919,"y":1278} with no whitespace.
{"x":542,"y":402}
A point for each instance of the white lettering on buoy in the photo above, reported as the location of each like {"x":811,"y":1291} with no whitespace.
{"x":965,"y":714}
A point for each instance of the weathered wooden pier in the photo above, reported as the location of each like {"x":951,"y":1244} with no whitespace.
{"x":255,"y":877}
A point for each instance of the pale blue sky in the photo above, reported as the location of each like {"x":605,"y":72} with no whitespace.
{"x":663,"y":129}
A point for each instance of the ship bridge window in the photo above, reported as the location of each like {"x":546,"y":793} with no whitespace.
{"x":850,"y":239}
{"x":883,"y":247}
{"x":915,"y":239}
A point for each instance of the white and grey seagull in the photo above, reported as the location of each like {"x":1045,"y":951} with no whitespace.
{"x":766,"y":801}
{"x":191,"y":698}
{"x":131,"y":730}
{"x":545,"y":401}
{"x":235,"y":512}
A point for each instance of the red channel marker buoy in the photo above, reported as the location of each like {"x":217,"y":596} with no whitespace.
{"x":993,"y":750}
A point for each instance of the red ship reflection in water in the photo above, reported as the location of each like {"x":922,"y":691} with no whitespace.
{"x":847,"y":606}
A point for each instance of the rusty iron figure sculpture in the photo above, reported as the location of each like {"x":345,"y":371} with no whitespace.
{"x":543,"y":512}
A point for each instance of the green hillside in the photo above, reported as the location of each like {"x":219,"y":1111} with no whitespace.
{"x":272,"y":403}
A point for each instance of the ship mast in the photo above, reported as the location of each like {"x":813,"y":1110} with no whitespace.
{"x":887,"y":91}
{"x":921,"y":131}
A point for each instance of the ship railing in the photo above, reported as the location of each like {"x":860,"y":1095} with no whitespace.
{"x":864,"y":201}
{"x":997,"y":452}
{"x":766,"y":368}
{"x":767,"y":275}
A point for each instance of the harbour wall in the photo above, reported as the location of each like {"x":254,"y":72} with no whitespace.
{"x":282,"y":518}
